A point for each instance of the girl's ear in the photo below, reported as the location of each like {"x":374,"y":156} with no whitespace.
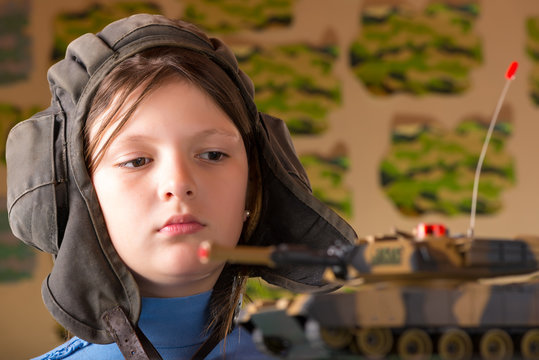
{"x":246,"y":215}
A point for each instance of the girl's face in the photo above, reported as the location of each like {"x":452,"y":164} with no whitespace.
{"x":175,"y":175}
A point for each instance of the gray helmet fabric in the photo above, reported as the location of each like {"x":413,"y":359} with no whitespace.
{"x":52,"y":204}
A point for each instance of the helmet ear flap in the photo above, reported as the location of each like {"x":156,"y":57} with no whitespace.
{"x":36,"y":151}
{"x":37,"y":180}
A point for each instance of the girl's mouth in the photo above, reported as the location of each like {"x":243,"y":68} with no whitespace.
{"x":182,"y":228}
{"x":181,"y":225}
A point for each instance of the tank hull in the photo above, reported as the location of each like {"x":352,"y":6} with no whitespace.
{"x":469,"y":305}
{"x":444,"y":320}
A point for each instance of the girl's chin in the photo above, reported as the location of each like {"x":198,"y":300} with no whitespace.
{"x":179,"y":280}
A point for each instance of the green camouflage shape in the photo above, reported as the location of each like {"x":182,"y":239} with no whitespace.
{"x":326,"y":174}
{"x":226,"y":16}
{"x":431,"y":170}
{"x":259,"y":290}
{"x":532,"y":48}
{"x":15,"y":52}
{"x":69,"y":26}
{"x":402,"y":51}
{"x":294,"y":82}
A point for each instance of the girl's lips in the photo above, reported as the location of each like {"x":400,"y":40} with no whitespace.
{"x":181,"y":228}
{"x":181,"y":225}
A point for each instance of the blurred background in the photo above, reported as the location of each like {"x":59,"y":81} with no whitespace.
{"x":388,"y":102}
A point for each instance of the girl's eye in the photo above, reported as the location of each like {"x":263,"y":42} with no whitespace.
{"x":135,"y":163}
{"x":212,"y":155}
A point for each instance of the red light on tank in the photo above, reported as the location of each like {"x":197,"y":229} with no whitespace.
{"x":511,"y":70}
{"x":435,"y":230}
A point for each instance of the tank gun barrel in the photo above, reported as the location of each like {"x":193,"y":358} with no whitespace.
{"x":279,"y":255}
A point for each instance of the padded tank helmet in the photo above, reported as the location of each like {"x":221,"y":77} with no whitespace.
{"x":53,"y":206}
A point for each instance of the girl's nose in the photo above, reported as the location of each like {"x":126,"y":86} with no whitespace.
{"x":176,"y":181}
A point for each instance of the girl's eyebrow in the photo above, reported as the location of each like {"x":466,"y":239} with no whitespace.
{"x":202,"y":134}
{"x":223,"y":132}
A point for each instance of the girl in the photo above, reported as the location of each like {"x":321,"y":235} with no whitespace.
{"x":151,"y":145}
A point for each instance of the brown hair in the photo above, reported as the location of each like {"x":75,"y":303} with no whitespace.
{"x":148,"y":70}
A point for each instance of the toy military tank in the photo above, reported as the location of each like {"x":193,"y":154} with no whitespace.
{"x":410,"y":294}
{"x":419,"y":294}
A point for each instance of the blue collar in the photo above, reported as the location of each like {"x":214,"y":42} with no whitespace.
{"x":175,"y":322}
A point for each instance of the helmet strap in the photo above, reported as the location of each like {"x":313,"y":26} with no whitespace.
{"x":133,"y":344}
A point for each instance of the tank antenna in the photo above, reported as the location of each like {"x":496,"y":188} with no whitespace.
{"x":509,"y":75}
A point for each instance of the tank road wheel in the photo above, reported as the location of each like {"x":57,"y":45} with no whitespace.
{"x":414,"y":344}
{"x":336,"y":338}
{"x":529,"y":345}
{"x":496,"y":344}
{"x":455,"y":344}
{"x":374,"y":342}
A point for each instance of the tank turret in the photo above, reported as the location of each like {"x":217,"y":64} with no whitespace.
{"x":427,"y":253}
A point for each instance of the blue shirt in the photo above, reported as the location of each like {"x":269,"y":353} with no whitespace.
{"x":175,"y":327}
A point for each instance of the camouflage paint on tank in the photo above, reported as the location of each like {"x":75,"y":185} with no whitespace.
{"x":416,"y":289}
